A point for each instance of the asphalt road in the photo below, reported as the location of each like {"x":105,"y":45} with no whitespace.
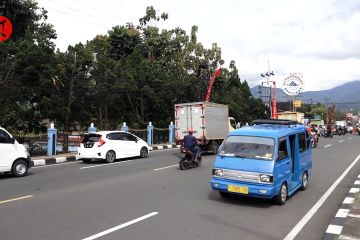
{"x":152,"y":199}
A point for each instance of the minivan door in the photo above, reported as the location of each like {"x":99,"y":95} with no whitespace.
{"x":283,"y":166}
{"x":8,"y":151}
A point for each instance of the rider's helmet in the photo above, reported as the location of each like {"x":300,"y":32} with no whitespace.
{"x":191,"y":130}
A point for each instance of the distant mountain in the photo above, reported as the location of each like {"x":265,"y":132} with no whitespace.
{"x":346,"y":96}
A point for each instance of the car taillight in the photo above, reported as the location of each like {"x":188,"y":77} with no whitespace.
{"x":101,"y":141}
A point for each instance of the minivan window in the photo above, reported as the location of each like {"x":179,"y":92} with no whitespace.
{"x":283,"y":148}
{"x":127,"y":137}
{"x":248,"y":147}
{"x":4,"y":137}
{"x":302,"y":142}
{"x":90,"y":138}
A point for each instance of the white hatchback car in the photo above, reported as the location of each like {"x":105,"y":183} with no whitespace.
{"x":14,"y":157}
{"x":111,"y":145}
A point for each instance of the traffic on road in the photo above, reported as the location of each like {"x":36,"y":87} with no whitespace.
{"x":151,"y":198}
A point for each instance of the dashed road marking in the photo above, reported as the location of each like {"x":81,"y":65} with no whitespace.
{"x":327,"y":145}
{"x":106,"y":232}
{"x":349,"y":138}
{"x":157,"y":169}
{"x":105,"y":164}
{"x":333,"y":228}
{"x":16,"y":199}
{"x":341,"y":141}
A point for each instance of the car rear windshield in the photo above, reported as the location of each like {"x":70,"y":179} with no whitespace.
{"x":248,"y":147}
{"x":90,"y":138}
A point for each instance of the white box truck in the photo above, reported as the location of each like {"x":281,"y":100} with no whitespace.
{"x":210,"y":121}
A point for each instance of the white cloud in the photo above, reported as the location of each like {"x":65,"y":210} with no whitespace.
{"x":319,"y":38}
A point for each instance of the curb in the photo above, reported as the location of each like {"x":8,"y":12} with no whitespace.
{"x":337,"y":224}
{"x":56,"y":160}
{"x":166,"y":146}
{"x":53,"y":160}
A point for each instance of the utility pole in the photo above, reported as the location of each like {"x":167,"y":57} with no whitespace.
{"x":271,"y":102}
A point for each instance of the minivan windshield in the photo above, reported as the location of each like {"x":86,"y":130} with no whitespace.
{"x":248,"y":147}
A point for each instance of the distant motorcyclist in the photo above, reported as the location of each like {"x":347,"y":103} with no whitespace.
{"x":190,"y":142}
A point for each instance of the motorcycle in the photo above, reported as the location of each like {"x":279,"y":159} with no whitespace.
{"x":314,"y":139}
{"x":188,"y":160}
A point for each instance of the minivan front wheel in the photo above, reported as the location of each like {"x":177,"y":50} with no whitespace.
{"x":280,"y":199}
{"x":110,"y":157}
{"x":19,"y":169}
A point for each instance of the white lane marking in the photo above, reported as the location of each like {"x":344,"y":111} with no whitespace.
{"x":340,"y":140}
{"x":349,"y":138}
{"x":354,"y":190}
{"x":59,"y":164}
{"x":16,"y":199}
{"x":157,"y":169}
{"x":354,"y":215}
{"x":120,"y":226}
{"x":334,"y":229}
{"x":359,"y":176}
{"x":357,"y":182}
{"x":297,"y":228}
{"x":105,"y":164}
{"x":327,"y":145}
{"x":342,"y":213}
{"x":348,"y":200}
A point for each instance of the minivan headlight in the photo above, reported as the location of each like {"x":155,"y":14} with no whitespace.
{"x":218,"y":172}
{"x":265,"y":178}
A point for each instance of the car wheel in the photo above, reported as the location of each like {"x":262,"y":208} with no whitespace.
{"x":304,"y":181}
{"x":110,"y":157}
{"x":19,"y":169}
{"x":280,"y":199}
{"x":144,"y":153}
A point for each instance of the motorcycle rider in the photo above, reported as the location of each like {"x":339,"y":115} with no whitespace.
{"x":190,"y":143}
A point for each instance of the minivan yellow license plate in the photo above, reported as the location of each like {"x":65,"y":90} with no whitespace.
{"x":238,"y":189}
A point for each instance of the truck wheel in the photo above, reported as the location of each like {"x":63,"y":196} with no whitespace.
{"x":19,"y":169}
{"x":214,"y":147}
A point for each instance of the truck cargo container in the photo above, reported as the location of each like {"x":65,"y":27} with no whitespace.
{"x":210,"y":121}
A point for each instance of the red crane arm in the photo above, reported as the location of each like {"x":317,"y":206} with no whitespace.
{"x":211,"y":83}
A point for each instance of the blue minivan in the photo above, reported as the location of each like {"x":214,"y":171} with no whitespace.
{"x":270,"y":159}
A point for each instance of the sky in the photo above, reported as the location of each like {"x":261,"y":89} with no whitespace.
{"x":319,"y":38}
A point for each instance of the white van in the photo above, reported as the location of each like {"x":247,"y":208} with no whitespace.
{"x":14,"y":157}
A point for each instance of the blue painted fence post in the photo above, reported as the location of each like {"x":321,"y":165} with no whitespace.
{"x":51,"y":146}
{"x":150,"y":133}
{"x":124,"y":127}
{"x":92,"y":129}
{"x":171,"y":132}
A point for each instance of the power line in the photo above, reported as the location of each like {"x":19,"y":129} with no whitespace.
{"x":78,"y":11}
{"x":77,"y":17}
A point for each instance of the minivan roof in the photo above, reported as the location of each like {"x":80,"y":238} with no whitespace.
{"x":269,"y":130}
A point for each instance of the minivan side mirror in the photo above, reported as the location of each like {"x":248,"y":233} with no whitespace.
{"x":281,"y":155}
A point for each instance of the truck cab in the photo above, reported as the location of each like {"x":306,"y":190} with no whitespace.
{"x":270,"y":159}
